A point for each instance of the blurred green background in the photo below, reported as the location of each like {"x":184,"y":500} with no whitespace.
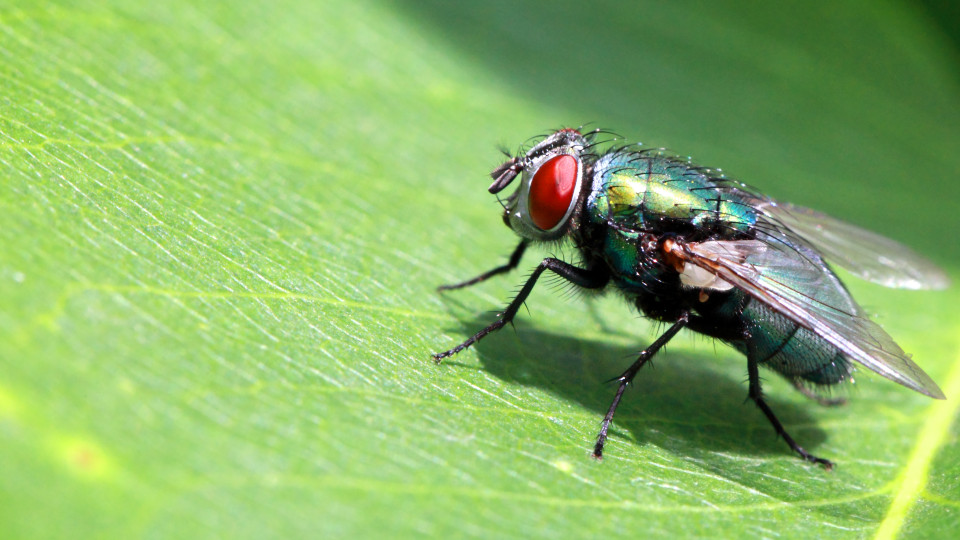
{"x":221,"y":227}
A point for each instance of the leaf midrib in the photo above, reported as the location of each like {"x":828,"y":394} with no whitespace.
{"x":913,"y":479}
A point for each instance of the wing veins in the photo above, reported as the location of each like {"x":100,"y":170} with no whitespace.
{"x":861,"y":339}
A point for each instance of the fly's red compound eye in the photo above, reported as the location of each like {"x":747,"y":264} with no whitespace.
{"x":551,"y":191}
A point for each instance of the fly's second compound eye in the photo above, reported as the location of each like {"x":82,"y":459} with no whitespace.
{"x":552,"y":191}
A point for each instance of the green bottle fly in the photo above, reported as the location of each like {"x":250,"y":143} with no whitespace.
{"x":697,"y":250}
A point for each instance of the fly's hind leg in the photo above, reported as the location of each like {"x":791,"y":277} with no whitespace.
{"x":756,"y":394}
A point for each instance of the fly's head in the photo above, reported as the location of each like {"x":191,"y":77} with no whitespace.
{"x":551,"y":179}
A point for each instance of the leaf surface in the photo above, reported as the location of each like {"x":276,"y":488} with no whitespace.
{"x":221,"y":227}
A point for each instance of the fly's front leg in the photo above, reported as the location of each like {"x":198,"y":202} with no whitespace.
{"x":594,"y":277}
{"x":511,"y":264}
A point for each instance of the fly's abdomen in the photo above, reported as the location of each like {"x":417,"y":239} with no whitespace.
{"x":779,"y":343}
{"x":790,"y":350}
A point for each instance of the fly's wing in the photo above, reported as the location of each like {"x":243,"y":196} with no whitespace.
{"x":865,"y":254}
{"x":794,"y":282}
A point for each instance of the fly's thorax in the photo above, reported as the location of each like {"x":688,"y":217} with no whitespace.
{"x":551,"y":182}
{"x":650,"y":190}
{"x":639,"y":200}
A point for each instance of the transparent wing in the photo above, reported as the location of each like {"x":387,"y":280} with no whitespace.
{"x":794,"y":282}
{"x":865,"y":254}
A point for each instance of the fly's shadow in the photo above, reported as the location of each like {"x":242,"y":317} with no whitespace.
{"x":679,"y":403}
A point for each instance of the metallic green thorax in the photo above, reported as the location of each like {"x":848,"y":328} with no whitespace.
{"x":635,"y":193}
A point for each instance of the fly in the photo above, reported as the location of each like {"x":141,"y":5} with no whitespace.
{"x":696,"y":250}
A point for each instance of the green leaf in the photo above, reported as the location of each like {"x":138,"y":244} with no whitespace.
{"x":221,"y":227}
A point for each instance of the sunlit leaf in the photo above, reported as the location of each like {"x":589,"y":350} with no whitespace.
{"x":222,"y":224}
